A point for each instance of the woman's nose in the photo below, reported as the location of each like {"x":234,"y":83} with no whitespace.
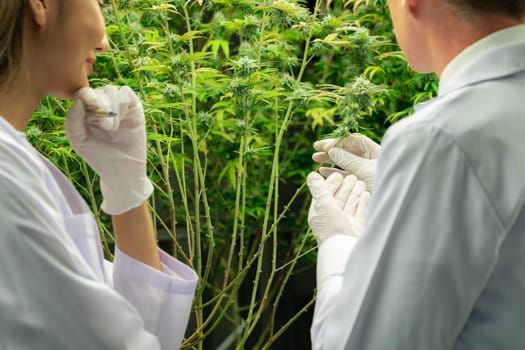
{"x":104,"y":44}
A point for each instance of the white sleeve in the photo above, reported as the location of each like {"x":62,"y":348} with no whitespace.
{"x":331,"y":261}
{"x":429,"y":248}
{"x":163,"y":299}
{"x":50,"y":298}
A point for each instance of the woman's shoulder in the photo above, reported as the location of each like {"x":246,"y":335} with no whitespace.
{"x":17,"y":155}
{"x":21,"y":167}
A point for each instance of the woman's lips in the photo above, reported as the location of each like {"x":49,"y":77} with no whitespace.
{"x":89,"y":63}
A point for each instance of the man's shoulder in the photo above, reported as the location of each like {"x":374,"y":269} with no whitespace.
{"x":471,"y":113}
{"x":484,"y":125}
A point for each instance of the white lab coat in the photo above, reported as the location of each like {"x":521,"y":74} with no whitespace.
{"x":441,"y":264}
{"x":56,"y":290}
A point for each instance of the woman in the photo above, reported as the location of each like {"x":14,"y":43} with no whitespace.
{"x":57,"y":292}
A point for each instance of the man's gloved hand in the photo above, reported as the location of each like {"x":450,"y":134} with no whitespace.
{"x":106,"y":127}
{"x":356,"y":155}
{"x":339,"y":205}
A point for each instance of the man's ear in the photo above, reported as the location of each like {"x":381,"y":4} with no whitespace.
{"x":412,"y":6}
{"x":38,"y":9}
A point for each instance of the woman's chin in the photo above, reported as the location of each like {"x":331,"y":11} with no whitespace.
{"x":69,"y":92}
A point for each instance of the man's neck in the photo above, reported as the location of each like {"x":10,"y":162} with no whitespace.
{"x":451,"y":40}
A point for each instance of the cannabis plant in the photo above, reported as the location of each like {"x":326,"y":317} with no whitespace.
{"x":235,"y":92}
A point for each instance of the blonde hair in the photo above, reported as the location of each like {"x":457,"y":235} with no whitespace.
{"x":12,"y":15}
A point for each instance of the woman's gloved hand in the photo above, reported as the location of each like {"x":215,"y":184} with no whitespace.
{"x":339,"y":205}
{"x":106,"y":127}
{"x":356,"y":155}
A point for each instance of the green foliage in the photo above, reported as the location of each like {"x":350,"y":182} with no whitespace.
{"x":235,"y":92}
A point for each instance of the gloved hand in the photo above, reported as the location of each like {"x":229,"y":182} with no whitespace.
{"x":339,"y":205}
{"x":356,"y":155}
{"x":106,"y":127}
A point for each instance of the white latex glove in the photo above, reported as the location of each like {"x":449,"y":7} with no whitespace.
{"x":356,"y":155}
{"x":106,"y":127}
{"x":339,"y":205}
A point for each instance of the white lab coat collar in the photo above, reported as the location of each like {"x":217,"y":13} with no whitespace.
{"x":6,"y":127}
{"x":464,"y":70}
{"x":74,"y":204}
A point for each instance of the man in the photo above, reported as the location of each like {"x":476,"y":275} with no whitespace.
{"x":440,"y":263}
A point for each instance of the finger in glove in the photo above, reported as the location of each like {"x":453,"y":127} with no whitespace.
{"x":317,"y":185}
{"x":325,"y":145}
{"x":344,"y":191}
{"x":334,"y":181}
{"x":347,"y":161}
{"x":358,"y":144}
{"x":352,"y":200}
{"x":98,"y":110}
{"x":361,"y":212}
{"x":321,"y":157}
{"x":326,"y":172}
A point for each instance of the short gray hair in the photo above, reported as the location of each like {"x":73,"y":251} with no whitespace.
{"x":510,"y":8}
